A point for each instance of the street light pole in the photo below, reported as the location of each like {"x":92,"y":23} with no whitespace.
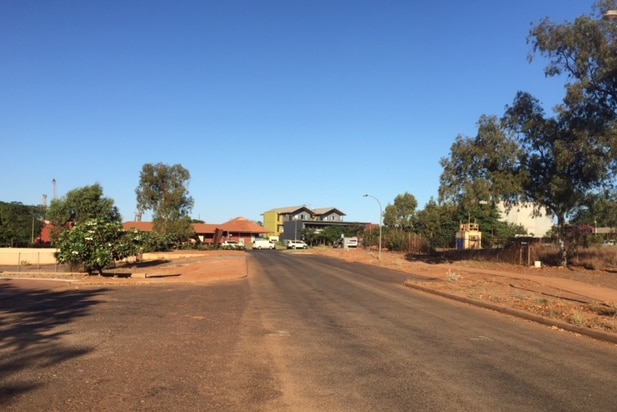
{"x":380,"y":217}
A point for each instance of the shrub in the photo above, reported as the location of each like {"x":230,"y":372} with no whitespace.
{"x":96,"y":244}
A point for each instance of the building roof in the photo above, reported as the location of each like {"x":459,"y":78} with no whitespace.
{"x":242,"y":225}
{"x":325,"y":210}
{"x":203,"y":228}
{"x":141,"y":226}
{"x":289,"y":210}
{"x":237,"y":225}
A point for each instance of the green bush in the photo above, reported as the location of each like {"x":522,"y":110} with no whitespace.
{"x":97,"y":244}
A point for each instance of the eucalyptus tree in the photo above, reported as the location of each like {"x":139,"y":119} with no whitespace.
{"x":585,"y":51}
{"x":164,"y":190}
{"x":401,"y":214}
{"x":556,"y":162}
{"x":481,"y":169}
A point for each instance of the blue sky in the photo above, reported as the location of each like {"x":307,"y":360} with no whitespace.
{"x":267,"y":103}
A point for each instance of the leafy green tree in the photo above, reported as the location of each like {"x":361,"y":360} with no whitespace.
{"x":562,"y":161}
{"x":80,"y":205}
{"x":584,"y":51}
{"x":158,"y":242}
{"x":479,"y":169}
{"x":401,"y":214}
{"x":552,"y":162}
{"x":438,"y":224}
{"x":164,"y":190}
{"x":19,"y":223}
{"x":598,"y":210}
{"x":331,"y":234}
{"x":96,"y":244}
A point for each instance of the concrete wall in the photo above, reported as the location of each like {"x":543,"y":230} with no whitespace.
{"x":27,"y":256}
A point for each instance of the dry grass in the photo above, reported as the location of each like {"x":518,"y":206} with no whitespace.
{"x":597,"y":258}
{"x":592,"y":258}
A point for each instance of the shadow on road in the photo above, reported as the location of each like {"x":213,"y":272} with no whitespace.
{"x":33,"y":323}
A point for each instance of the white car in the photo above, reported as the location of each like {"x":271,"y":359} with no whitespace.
{"x":231,"y":244}
{"x":296,"y":244}
{"x":262,"y":244}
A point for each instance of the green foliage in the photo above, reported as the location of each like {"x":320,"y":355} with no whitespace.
{"x":438,"y":224}
{"x":401,"y":214}
{"x":159,"y":242}
{"x":96,"y":244}
{"x":80,"y":205}
{"x":584,"y":51}
{"x":563,"y":161}
{"x":164,"y":190}
{"x":180,"y":229}
{"x":555,"y":162}
{"x":598,"y":210}
{"x":331,"y":234}
{"x":583,"y":137}
{"x":481,"y":169}
{"x":19,"y":224}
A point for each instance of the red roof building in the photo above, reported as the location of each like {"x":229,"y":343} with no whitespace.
{"x":239,"y":229}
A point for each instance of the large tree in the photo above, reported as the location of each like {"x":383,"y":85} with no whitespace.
{"x":164,"y":190}
{"x":82,"y":204}
{"x":585,"y":52}
{"x":553,"y":162}
{"x":480,"y":169}
{"x":401,"y":214}
{"x":557,"y":162}
{"x":563,"y":159}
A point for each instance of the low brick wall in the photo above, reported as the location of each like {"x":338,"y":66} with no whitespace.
{"x":27,"y":256}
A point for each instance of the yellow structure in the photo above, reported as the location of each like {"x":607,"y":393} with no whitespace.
{"x":274,"y":220}
{"x":469,"y":237}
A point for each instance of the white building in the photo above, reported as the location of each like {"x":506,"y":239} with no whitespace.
{"x":523,"y":214}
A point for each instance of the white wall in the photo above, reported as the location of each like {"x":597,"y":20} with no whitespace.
{"x":27,"y":256}
{"x":523,"y":215}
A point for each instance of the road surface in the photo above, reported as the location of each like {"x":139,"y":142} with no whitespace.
{"x":301,"y":333}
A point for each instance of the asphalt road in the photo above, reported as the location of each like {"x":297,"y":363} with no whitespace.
{"x":302,"y":333}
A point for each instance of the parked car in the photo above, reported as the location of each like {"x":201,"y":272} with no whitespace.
{"x":296,"y":244}
{"x":232,"y":244}
{"x":263,"y":244}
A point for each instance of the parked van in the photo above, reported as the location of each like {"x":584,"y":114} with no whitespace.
{"x":262,"y":244}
